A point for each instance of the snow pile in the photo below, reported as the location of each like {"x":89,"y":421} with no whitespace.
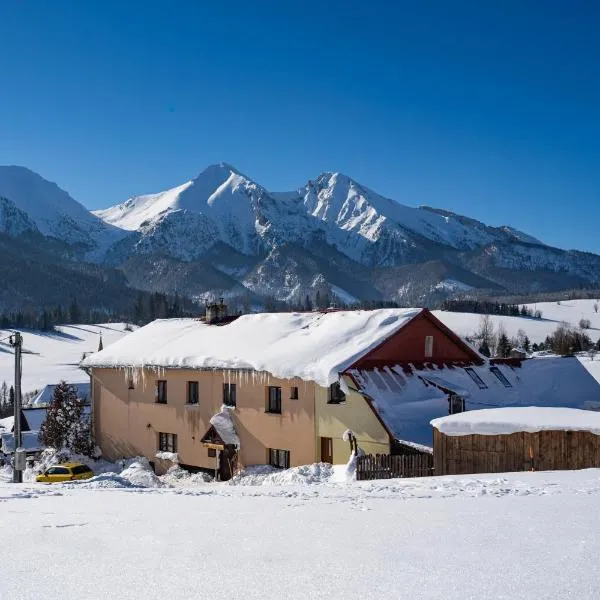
{"x":267,"y":475}
{"x":178,"y":477}
{"x":140,"y":474}
{"x":504,"y":421}
{"x":172,"y":456}
{"x":312,"y":346}
{"x":104,"y":481}
{"x":223,"y":423}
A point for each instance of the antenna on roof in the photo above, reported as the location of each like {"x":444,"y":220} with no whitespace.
{"x":100,"y":344}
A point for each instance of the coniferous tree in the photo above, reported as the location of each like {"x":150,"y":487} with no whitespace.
{"x":65,"y":425}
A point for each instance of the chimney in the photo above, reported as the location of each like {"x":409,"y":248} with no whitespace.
{"x":216,"y":312}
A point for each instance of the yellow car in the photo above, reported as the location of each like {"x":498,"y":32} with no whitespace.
{"x":65,"y":472}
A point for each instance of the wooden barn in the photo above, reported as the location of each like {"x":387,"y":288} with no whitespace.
{"x":499,"y":440}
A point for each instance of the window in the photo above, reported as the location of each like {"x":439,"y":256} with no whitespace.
{"x":167,"y":442}
{"x":456,"y":404}
{"x":279,"y":458}
{"x":57,"y":471}
{"x":274,"y":399}
{"x":212,"y":453}
{"x":428,"y":346}
{"x":161,"y":391}
{"x":505,"y":382}
{"x":229,"y":394}
{"x":294,"y":392}
{"x":480,"y":382}
{"x":79,"y":469}
{"x":336,"y":396}
{"x":192,"y":392}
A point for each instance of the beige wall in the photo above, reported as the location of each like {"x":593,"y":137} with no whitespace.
{"x":355,"y":414}
{"x":127,"y":422}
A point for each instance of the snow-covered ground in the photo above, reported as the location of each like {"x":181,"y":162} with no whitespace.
{"x":553,"y":314}
{"x":50,"y":356}
{"x":520,"y":535}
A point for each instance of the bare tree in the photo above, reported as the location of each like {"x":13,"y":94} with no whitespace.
{"x":485,"y":334}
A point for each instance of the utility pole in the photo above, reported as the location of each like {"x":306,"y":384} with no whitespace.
{"x":16,"y":341}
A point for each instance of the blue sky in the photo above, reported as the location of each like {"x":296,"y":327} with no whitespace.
{"x":488,"y":109}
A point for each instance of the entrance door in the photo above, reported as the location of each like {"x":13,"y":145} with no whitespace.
{"x":327,"y":450}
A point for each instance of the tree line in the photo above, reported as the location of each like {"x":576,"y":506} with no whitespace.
{"x":145,"y":308}
{"x":489,"y":307}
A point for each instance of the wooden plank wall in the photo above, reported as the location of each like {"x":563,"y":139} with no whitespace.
{"x":540,"y":451}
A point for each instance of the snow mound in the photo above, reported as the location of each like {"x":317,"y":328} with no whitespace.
{"x":178,"y":477}
{"x":140,"y":474}
{"x":267,"y":475}
{"x":504,"y":421}
{"x":103,"y":481}
{"x":172,"y":456}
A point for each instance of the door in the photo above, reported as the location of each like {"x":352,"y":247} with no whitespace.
{"x":327,"y":450}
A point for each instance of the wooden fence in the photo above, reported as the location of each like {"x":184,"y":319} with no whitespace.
{"x":389,"y":466}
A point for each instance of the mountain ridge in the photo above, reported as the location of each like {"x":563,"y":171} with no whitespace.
{"x":330,"y":234}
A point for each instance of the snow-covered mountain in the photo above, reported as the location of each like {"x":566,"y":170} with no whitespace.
{"x":221,"y":204}
{"x":332,"y":235}
{"x":53,"y":212}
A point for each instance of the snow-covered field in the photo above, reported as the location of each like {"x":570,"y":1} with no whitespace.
{"x":51,"y":356}
{"x":553,"y":314}
{"x":520,"y":535}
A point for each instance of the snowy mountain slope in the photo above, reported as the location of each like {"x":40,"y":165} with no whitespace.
{"x":394,"y":228}
{"x":49,"y":357}
{"x":336,"y":227}
{"x":220,"y":205}
{"x":14,"y":221}
{"x":54,"y":212}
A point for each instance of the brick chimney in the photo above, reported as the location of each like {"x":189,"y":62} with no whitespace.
{"x":215,"y":312}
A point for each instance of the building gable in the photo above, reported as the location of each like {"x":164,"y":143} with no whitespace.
{"x":410,"y":345}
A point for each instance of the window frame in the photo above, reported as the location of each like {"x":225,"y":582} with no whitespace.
{"x":229,"y":392}
{"x":294,"y":393}
{"x":189,"y":387}
{"x":161,"y":391}
{"x":428,"y":346}
{"x":453,"y":400}
{"x":480,"y":383}
{"x":335,"y":394}
{"x":167,"y":442}
{"x":501,"y":377}
{"x":273,"y":400}
{"x":278,"y":456}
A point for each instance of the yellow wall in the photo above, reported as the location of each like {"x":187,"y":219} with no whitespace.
{"x":127,"y":422}
{"x":355,"y":414}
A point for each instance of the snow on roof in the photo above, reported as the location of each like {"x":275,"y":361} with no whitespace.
{"x":29,"y":441}
{"x":504,"y":421}
{"x":408,"y":398}
{"x":313,"y":346}
{"x":225,"y":426}
{"x":44,"y":398}
{"x":36,"y":415}
{"x":7,"y":423}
